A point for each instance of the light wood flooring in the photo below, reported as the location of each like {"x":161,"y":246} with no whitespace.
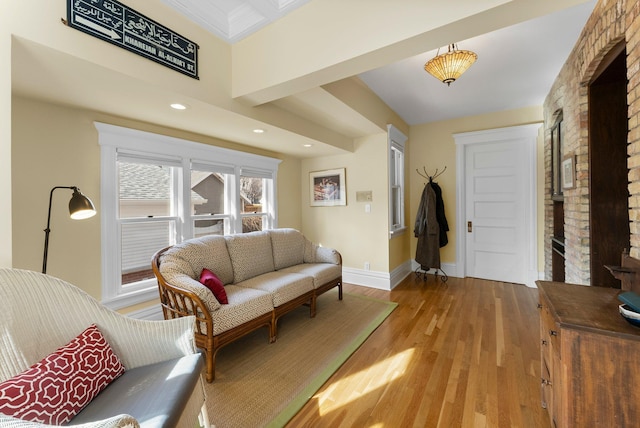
{"x":464,"y":353}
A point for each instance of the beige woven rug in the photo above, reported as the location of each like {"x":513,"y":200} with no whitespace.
{"x":260,"y":384}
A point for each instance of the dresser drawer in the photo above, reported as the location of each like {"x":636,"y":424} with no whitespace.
{"x":549,"y":329}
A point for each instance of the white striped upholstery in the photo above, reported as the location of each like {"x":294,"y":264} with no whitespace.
{"x":119,"y":421}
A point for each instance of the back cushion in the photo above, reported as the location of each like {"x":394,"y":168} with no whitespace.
{"x":208,"y":252}
{"x":251,"y":254}
{"x":288,"y":247}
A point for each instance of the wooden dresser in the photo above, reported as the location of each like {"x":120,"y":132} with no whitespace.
{"x":590,"y":358}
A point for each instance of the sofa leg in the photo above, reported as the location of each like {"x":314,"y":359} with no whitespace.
{"x":211,"y":365}
{"x":340,"y":290}
{"x":273,"y":330}
{"x":312,"y":306}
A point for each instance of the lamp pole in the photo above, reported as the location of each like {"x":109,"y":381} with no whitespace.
{"x":78,"y":203}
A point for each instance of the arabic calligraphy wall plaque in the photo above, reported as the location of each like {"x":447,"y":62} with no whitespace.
{"x":122,"y":26}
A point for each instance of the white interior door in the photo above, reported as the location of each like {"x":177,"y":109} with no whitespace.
{"x":499,"y":206}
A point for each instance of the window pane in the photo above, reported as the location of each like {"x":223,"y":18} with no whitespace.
{"x":144,"y":190}
{"x":207,"y":192}
{"x":252,"y":223}
{"x":208,"y":227}
{"x":395,"y":206}
{"x":140,"y":241}
{"x":393,"y":167}
{"x":251,"y":189}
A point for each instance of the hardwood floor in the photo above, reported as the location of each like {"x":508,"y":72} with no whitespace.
{"x":464,"y":353}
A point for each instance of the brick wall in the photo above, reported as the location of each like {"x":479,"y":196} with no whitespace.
{"x":611,"y":22}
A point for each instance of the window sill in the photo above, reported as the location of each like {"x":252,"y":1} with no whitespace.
{"x":130,"y":299}
{"x":397,"y":232}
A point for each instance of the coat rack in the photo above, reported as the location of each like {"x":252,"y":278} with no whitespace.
{"x":431,"y":177}
{"x":419,"y":272}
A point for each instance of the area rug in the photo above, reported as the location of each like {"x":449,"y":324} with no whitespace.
{"x":264,"y":385}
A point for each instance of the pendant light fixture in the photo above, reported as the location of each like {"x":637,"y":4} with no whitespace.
{"x":448,"y":66}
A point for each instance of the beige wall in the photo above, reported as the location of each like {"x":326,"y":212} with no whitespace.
{"x":433,"y":146}
{"x":5,"y":137}
{"x":58,"y":146}
{"x":360,"y":237}
{"x":44,"y":132}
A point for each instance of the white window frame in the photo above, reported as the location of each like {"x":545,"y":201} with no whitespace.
{"x":396,"y":142}
{"x":150,"y":147}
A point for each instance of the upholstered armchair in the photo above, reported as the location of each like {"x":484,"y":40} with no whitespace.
{"x":40,"y":313}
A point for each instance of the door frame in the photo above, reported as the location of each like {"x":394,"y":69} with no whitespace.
{"x":462,"y":140}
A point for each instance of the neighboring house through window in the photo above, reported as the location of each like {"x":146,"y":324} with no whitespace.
{"x":158,"y":191}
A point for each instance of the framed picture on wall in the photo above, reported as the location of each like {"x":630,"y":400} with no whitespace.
{"x":328,"y":188}
{"x":568,"y":172}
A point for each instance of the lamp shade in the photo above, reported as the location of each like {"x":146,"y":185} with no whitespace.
{"x":80,"y":207}
{"x":448,"y":66}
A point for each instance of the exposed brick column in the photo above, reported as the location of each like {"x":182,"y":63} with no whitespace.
{"x":611,"y":22}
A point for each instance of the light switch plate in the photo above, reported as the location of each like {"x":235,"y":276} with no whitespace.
{"x":364,"y":196}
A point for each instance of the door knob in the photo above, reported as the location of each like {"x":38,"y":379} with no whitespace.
{"x":469,"y":226}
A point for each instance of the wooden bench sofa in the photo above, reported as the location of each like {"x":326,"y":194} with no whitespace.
{"x":265,"y":275}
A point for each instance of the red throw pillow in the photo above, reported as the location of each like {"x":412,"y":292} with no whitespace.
{"x":55,"y":389}
{"x":213,"y":283}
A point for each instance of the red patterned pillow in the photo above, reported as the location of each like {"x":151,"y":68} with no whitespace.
{"x":213,"y":283}
{"x":54,"y":390}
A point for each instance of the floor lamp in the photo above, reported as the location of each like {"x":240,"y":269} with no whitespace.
{"x":80,"y":207}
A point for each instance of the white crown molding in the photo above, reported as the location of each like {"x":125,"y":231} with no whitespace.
{"x":233,"y":20}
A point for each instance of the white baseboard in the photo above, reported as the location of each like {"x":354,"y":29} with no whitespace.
{"x":367,"y":278}
{"x":384,"y":280}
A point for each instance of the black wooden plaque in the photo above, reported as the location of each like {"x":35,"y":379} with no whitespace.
{"x":116,"y":23}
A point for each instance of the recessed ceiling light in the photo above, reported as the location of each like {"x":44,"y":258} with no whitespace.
{"x":258,"y":131}
{"x":179,"y":106}
{"x":307,"y":145}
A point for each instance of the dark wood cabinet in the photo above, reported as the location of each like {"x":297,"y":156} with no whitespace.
{"x":590,"y":357}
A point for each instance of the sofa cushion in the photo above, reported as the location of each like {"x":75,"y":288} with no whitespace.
{"x":321,"y":273}
{"x":251,"y":255}
{"x":55,"y":389}
{"x":282,"y":286}
{"x":314,"y":253}
{"x":195,"y":254}
{"x":155,"y":394}
{"x":288,"y":247}
{"x":213,"y":283}
{"x":245,"y":304}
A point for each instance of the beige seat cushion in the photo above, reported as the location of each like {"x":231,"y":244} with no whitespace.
{"x":321,"y":273}
{"x":245,"y":304}
{"x":282,"y":286}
